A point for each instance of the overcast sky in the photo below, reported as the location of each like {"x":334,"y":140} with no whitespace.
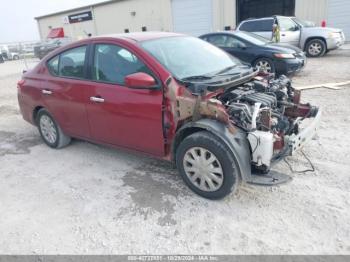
{"x":17,"y":16}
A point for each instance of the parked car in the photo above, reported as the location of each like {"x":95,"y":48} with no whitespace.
{"x":315,"y":41}
{"x":261,"y":53}
{"x":171,"y":96}
{"x":7,"y":55}
{"x":43,"y":48}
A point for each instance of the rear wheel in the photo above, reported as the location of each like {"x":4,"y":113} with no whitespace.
{"x":264,"y":65}
{"x":315,"y":48}
{"x":49,"y":130}
{"x":207,"y":166}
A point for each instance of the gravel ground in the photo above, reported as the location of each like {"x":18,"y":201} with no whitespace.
{"x":91,"y":199}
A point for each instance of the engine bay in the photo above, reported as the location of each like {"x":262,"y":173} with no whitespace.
{"x":269,"y":110}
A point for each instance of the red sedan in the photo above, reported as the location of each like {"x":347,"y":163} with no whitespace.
{"x":171,"y":96}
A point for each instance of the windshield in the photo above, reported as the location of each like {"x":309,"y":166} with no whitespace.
{"x":187,"y":57}
{"x":253,"y":38}
{"x":303,"y":23}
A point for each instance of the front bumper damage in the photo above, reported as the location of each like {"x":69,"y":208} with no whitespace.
{"x":296,"y":142}
{"x":293,"y":143}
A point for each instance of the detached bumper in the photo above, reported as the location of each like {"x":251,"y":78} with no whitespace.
{"x":296,"y":142}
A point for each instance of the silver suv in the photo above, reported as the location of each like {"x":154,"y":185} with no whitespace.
{"x":315,"y":41}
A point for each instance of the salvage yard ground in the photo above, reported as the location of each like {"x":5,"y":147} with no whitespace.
{"x":92,"y":199}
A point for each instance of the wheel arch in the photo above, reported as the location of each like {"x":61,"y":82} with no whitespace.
{"x":237,"y":142}
{"x":307,"y":40}
{"x":35,"y":113}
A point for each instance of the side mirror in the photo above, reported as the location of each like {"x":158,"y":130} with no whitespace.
{"x":242,"y":46}
{"x":140,"y":81}
{"x":296,"y":28}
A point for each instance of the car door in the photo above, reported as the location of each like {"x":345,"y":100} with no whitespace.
{"x":232,"y":45}
{"x":289,"y":31}
{"x":62,"y":90}
{"x":119,"y":115}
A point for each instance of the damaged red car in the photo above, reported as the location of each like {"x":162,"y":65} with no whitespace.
{"x":174,"y":97}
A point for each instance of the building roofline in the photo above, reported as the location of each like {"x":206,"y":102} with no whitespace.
{"x":77,"y":9}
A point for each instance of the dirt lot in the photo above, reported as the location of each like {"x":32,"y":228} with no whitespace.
{"x":91,"y":199}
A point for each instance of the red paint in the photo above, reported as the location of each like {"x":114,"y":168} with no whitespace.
{"x":140,"y":80}
{"x":130,"y":117}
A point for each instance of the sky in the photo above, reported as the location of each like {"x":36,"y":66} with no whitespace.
{"x":17,"y":21}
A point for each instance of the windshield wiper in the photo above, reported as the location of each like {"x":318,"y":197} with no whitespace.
{"x":199,"y":77}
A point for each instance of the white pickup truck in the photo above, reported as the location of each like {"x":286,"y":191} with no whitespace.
{"x":315,"y":41}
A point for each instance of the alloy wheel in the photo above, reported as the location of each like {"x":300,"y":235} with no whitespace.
{"x":315,"y":49}
{"x":264,"y":66}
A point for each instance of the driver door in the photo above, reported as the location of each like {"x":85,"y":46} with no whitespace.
{"x":118,"y":115}
{"x":289,"y":31}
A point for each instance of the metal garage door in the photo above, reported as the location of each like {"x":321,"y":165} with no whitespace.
{"x":192,"y":17}
{"x":263,"y":8}
{"x":338,"y":15}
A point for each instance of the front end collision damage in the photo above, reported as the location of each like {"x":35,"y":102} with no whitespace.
{"x":269,"y":132}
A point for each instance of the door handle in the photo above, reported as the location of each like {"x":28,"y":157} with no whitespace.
{"x":283,"y":35}
{"x":97,"y":99}
{"x":46,"y":92}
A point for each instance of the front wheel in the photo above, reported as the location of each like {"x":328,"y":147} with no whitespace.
{"x":50,"y":132}
{"x":207,"y":166}
{"x":315,"y":48}
{"x":264,"y":65}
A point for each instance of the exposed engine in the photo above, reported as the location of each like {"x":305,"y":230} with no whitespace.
{"x":269,"y":111}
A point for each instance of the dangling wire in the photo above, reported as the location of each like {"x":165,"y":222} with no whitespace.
{"x":312,"y":169}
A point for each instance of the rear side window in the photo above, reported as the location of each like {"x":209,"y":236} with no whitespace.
{"x":225,"y":41}
{"x":248,"y":26}
{"x":72,"y":62}
{"x":113,"y":63}
{"x":68,"y":64}
{"x":257,"y":26}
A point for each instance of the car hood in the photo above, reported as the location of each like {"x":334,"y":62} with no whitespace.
{"x":240,"y":74}
{"x":321,"y":29}
{"x":282,"y":48}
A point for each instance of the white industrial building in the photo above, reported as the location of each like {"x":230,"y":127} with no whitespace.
{"x":193,"y":17}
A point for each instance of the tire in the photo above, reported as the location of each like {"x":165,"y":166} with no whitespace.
{"x":266,"y":64}
{"x":214,"y":152}
{"x":50,"y":131}
{"x":315,"y":48}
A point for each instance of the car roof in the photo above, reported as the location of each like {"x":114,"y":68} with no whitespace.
{"x":264,"y":18}
{"x":139,"y":36}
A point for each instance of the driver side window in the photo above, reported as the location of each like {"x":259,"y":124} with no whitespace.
{"x":225,"y":41}
{"x":286,"y":24}
{"x":113,"y":63}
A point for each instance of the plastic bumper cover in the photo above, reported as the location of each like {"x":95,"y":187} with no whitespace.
{"x":296,"y":142}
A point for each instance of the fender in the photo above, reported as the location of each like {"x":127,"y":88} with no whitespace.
{"x":237,"y":142}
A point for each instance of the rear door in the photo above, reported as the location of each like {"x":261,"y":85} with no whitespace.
{"x":118,"y":115}
{"x":62,"y":91}
{"x":262,"y":27}
{"x":289,"y":31}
